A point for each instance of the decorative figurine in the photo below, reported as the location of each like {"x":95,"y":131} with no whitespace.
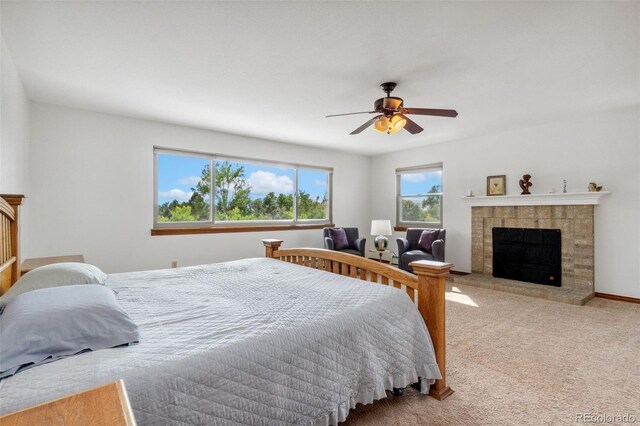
{"x":564,"y":189}
{"x":593,"y":187}
{"x":525,"y":185}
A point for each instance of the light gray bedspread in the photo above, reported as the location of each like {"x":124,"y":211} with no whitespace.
{"x":256,"y":341}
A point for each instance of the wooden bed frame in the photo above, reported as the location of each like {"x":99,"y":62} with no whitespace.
{"x":9,"y":240}
{"x":426,"y":288}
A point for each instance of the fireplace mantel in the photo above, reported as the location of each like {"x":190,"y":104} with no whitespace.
{"x":555,"y":199}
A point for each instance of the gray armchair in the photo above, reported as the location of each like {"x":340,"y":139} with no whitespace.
{"x":408,"y":250}
{"x":356,"y":244}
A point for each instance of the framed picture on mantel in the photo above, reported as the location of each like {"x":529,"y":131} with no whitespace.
{"x":496,"y":185}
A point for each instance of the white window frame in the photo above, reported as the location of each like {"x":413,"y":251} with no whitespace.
{"x":212,"y":223}
{"x":418,"y":169}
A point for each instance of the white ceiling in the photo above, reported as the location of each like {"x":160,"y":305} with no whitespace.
{"x":274,"y":69}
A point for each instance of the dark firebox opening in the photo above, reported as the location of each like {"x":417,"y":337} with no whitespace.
{"x":531,"y":255}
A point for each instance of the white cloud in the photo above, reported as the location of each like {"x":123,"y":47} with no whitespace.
{"x":176,"y":194}
{"x":189,"y":180}
{"x":414,"y":177}
{"x":320,"y":182}
{"x":264,"y":182}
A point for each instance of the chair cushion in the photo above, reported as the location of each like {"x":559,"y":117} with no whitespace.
{"x":411,"y":256}
{"x":339,"y":238}
{"x":427,"y":238}
{"x":418,"y":255}
{"x":351,"y":251}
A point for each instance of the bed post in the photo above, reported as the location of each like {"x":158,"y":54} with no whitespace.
{"x":431,"y":304}
{"x":270,"y":246}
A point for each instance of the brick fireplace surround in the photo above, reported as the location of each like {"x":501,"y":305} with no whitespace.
{"x":576,"y":223}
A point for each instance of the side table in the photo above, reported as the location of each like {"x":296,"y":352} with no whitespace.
{"x":36,"y":262}
{"x":381,"y":253}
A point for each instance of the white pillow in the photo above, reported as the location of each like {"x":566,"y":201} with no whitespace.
{"x":55,"y":275}
{"x":41,"y":326}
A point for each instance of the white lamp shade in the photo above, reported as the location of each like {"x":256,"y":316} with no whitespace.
{"x":381,"y":227}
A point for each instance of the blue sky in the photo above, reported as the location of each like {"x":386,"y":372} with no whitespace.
{"x":178,"y":174}
{"x":419,"y":183}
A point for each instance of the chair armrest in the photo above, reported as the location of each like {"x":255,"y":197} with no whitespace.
{"x":360,"y":244}
{"x":403,"y":245}
{"x":437,"y":249}
{"x":328,"y":243}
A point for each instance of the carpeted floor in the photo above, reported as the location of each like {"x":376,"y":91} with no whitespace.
{"x":518,"y":360}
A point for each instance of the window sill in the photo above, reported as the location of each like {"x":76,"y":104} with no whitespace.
{"x":403,"y":228}
{"x":231,"y":229}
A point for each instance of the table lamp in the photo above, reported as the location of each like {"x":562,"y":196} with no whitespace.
{"x":381,"y":228}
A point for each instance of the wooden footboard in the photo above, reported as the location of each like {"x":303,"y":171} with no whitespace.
{"x":426,"y":288}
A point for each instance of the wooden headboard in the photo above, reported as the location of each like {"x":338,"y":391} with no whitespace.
{"x":9,"y":240}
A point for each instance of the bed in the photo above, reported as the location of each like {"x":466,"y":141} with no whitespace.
{"x":297,"y":337}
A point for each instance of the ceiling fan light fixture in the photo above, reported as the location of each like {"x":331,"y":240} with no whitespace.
{"x":392,"y":114}
{"x":396,"y":124}
{"x":381,"y":124}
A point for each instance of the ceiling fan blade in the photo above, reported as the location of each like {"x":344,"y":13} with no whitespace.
{"x":428,"y":111}
{"x":349,"y":113}
{"x":365,"y":125}
{"x":411,"y":126}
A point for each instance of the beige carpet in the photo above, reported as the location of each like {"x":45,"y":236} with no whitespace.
{"x":518,"y":360}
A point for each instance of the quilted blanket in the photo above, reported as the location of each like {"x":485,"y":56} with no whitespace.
{"x":257,"y":341}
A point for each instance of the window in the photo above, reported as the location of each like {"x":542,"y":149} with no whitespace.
{"x":313,"y":194}
{"x":244,"y":191}
{"x":419,"y":196}
{"x":183,"y":195}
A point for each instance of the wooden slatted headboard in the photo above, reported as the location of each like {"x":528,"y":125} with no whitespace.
{"x":9,"y":240}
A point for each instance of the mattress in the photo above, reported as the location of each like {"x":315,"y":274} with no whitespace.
{"x":256,"y":341}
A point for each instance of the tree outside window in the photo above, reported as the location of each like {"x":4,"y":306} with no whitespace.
{"x":242,"y":191}
{"x":420,"y":196}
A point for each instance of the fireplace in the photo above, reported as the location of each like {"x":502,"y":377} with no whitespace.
{"x":530,"y":255}
{"x":567,"y":217}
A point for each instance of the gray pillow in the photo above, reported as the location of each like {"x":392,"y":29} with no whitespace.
{"x":45,"y":325}
{"x":57,"y":274}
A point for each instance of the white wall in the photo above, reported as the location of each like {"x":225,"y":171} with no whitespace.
{"x":603,"y":147}
{"x":92,"y":190}
{"x":14,"y":131}
{"x":14,"y":136}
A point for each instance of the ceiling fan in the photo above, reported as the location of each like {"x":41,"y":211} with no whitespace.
{"x":391,"y":114}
